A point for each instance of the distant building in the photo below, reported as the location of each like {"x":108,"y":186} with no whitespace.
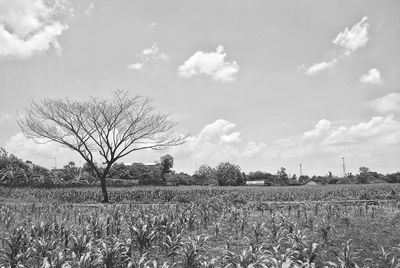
{"x":255,"y":183}
{"x":150,"y":164}
{"x":311,"y":183}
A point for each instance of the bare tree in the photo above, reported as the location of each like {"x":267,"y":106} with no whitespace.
{"x":109,"y":128}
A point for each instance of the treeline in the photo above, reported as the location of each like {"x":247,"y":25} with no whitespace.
{"x":16,"y":172}
{"x":365,"y":176}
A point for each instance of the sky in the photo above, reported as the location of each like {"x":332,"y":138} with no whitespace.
{"x":261,"y":84}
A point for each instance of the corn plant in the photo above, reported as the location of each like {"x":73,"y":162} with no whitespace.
{"x":142,"y":233}
{"x":389,"y":259}
{"x":112,"y":253}
{"x":191,"y":251}
{"x":346,"y":257}
{"x":249,"y":257}
{"x":15,"y":250}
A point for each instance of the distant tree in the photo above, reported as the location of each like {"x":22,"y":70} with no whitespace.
{"x":364,"y":176}
{"x":70,"y":172}
{"x":206,"y":175}
{"x":281,"y":178}
{"x":282,"y":174}
{"x":303,"y":179}
{"x":256,"y":176}
{"x":229,"y":174}
{"x":110,"y":128}
{"x":363,"y":170}
{"x":88,"y":169}
{"x":12,"y":169}
{"x":166,"y":162}
{"x":181,"y":179}
{"x":293,"y":180}
{"x":120,"y":171}
{"x":146,"y":174}
{"x":393,"y":177}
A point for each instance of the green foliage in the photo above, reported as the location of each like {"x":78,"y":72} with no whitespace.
{"x":166,"y":162}
{"x":205,"y":175}
{"x":229,"y":174}
{"x":70,"y":172}
{"x":181,"y":179}
{"x":393,"y":178}
{"x":12,"y":169}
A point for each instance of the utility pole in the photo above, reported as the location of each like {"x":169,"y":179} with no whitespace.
{"x":55,"y":162}
{"x":344,"y":168}
{"x":301,"y":170}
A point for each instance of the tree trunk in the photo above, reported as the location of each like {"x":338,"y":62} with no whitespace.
{"x":104,"y":189}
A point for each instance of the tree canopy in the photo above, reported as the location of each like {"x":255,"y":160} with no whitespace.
{"x":109,"y":128}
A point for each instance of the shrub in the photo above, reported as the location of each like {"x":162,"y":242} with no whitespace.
{"x":229,"y":174}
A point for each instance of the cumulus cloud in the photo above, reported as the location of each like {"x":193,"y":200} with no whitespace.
{"x":379,"y":135}
{"x":352,"y":39}
{"x":372,"y":77}
{"x":387,"y":104}
{"x":41,"y":154}
{"x":349,"y":40}
{"x":210,"y":63}
{"x":28,"y":27}
{"x":154,"y":52}
{"x":217,"y":142}
{"x":148,"y":54}
{"x":318,"y":67}
{"x":135,"y":66}
{"x":252,"y":149}
{"x":322,"y":126}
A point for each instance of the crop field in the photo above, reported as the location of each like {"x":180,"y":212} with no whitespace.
{"x":318,"y":226}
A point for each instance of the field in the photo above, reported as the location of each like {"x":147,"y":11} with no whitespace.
{"x":316,"y":226}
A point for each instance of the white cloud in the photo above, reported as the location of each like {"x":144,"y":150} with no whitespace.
{"x":372,"y":77}
{"x":252,"y":149}
{"x":216,"y":130}
{"x":215,"y":143}
{"x":28,"y":27}
{"x":89,"y":9}
{"x":135,"y":66}
{"x":349,"y":40}
{"x":4,"y":117}
{"x":378,"y":135}
{"x":355,"y":38}
{"x":210,"y":63}
{"x":387,"y":104}
{"x":148,"y":54}
{"x":318,"y":67}
{"x":322,"y":126}
{"x":324,"y":144}
{"x":378,"y":131}
{"x":41,"y":154}
{"x":231,"y":138}
{"x":154,"y":53}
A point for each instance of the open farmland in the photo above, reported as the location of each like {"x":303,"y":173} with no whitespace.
{"x":188,"y":194}
{"x":201,"y":227}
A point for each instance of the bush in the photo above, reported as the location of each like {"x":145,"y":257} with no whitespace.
{"x":393,"y":178}
{"x":180,"y":179}
{"x":229,"y":174}
{"x":205,"y":175}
